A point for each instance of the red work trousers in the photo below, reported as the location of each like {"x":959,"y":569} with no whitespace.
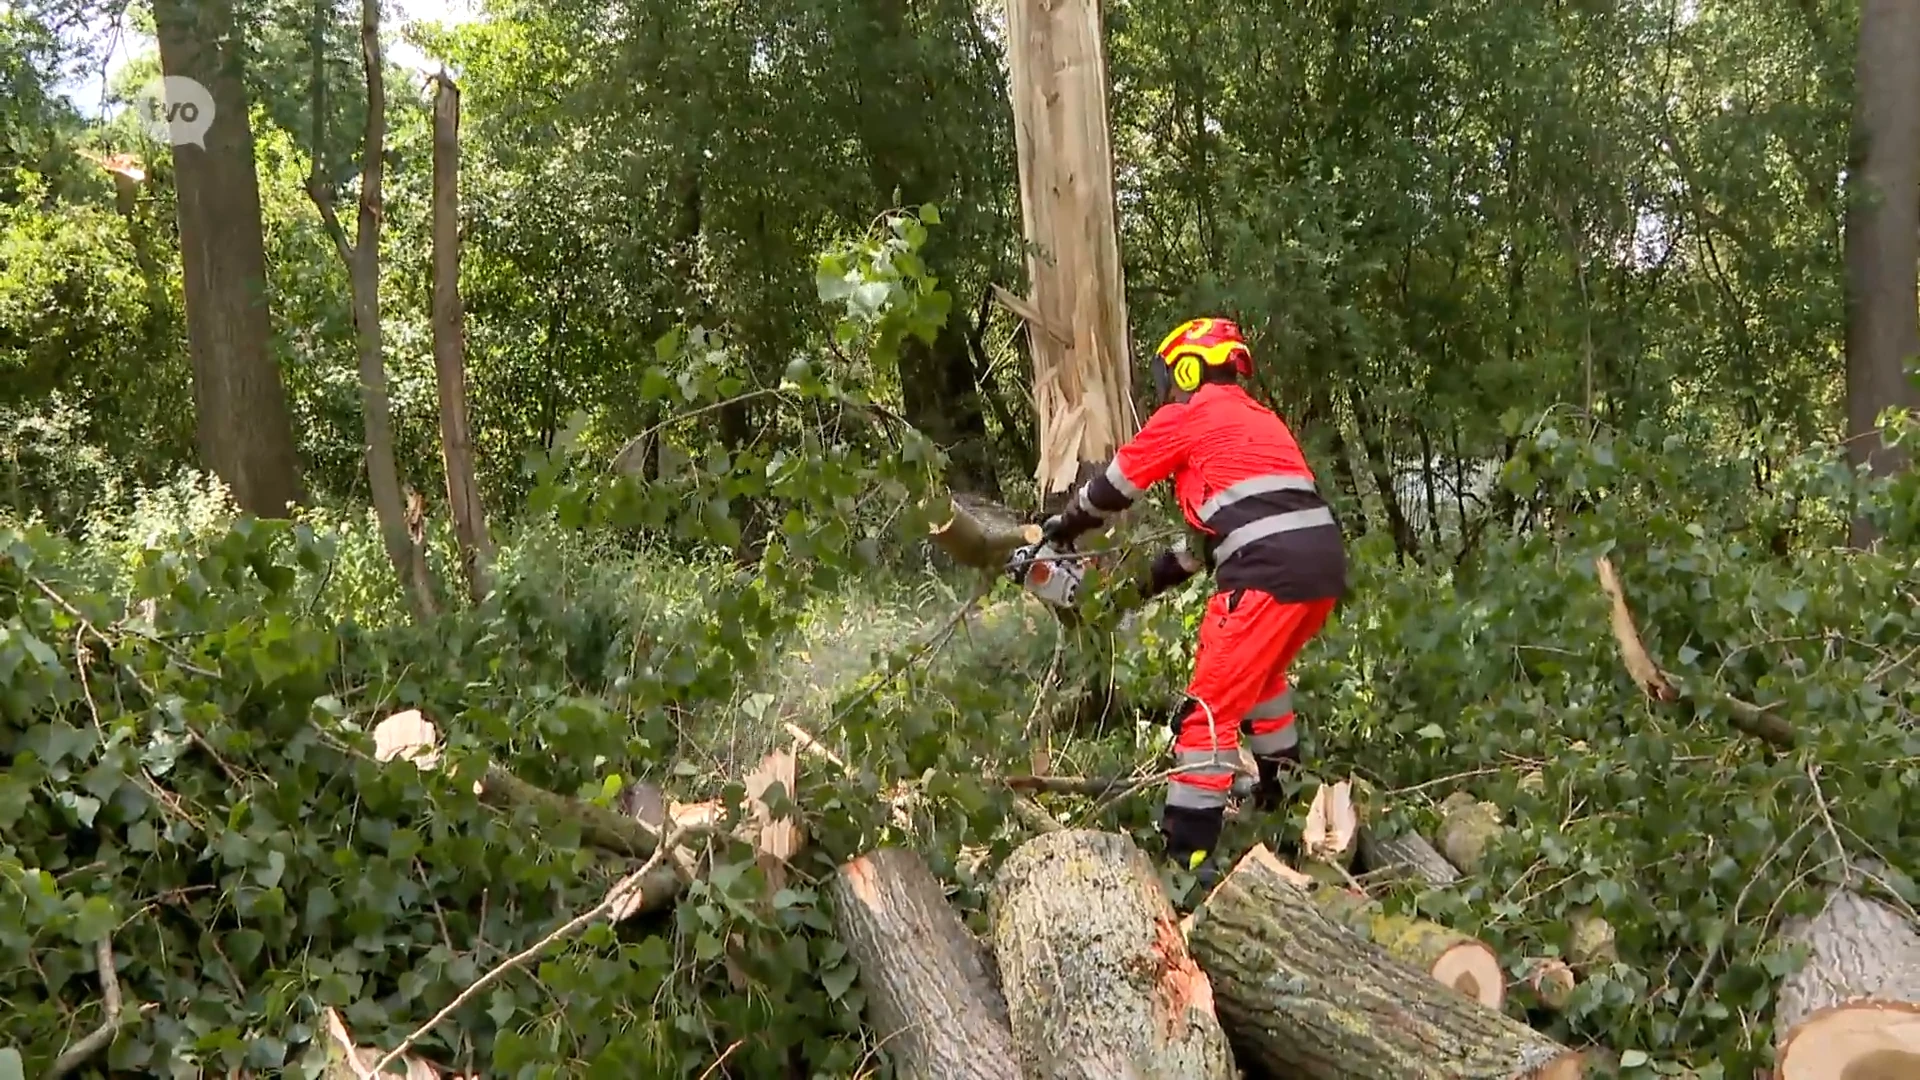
{"x":1248,"y":640}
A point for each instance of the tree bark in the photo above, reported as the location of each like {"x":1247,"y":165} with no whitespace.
{"x":1407,"y":855}
{"x":1304,"y":997}
{"x":362,"y":258}
{"x":1467,"y":828}
{"x":1882,"y":233}
{"x":930,"y":989}
{"x":1464,"y":963}
{"x":1097,"y":978}
{"x":1853,"y":1012}
{"x":450,"y":346}
{"x":244,"y":427}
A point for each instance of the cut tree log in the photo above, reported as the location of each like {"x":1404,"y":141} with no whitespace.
{"x":1406,"y":856}
{"x":981,"y":535}
{"x":1097,"y":978}
{"x":1467,"y":828}
{"x":1853,"y":1012}
{"x":1456,"y":960}
{"x":1590,"y":940}
{"x":1304,"y":997}
{"x":930,"y":993}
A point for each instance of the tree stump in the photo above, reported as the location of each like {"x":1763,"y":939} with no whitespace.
{"x":1853,"y":1012}
{"x":1097,"y":977}
{"x":930,"y":996}
{"x":1304,"y":997}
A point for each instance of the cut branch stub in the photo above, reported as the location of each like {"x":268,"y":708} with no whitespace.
{"x":1333,"y":826}
{"x":1468,"y":827}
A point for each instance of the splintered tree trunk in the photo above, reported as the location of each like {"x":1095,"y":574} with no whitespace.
{"x":930,"y":995}
{"x":1097,"y":977}
{"x":1853,"y":1012}
{"x":243,"y":425}
{"x":1077,"y":315}
{"x":450,"y":345}
{"x":1305,"y":997}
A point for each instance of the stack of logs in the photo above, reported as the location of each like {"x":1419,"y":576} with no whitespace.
{"x":1286,"y":972}
{"x":1281,"y":971}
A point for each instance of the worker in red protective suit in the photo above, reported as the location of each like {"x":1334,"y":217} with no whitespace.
{"x":1276,"y":553}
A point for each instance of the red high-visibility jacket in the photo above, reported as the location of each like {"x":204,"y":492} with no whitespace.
{"x":1242,"y":484}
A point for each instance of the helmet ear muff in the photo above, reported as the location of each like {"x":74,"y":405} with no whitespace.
{"x":1186,"y":370}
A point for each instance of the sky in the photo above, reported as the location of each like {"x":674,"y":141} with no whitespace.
{"x":87,"y":90}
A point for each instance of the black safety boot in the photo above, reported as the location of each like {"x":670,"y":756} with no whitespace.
{"x":1191,"y":836}
{"x":1276,"y":771}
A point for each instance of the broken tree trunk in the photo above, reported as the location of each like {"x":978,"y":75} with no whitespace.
{"x":1097,"y":978}
{"x":450,"y":344}
{"x":1305,"y":997}
{"x":930,"y":993}
{"x":1076,"y":316}
{"x":1853,"y":1012}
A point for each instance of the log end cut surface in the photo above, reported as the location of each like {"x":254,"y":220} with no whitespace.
{"x":1868,"y":1040}
{"x":1853,"y":1011}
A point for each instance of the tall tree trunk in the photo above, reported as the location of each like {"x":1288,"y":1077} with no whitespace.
{"x":1883,"y":215}
{"x":450,"y":345}
{"x":245,"y":430}
{"x":362,"y":257}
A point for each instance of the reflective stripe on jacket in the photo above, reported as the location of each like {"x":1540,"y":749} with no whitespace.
{"x":1242,"y":484}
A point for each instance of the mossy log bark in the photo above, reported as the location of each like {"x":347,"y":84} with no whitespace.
{"x":930,"y":994}
{"x":1853,"y":1012}
{"x":1466,"y":964}
{"x":1097,"y":978}
{"x":1304,"y":997}
{"x":1406,"y":856}
{"x":1468,"y":827}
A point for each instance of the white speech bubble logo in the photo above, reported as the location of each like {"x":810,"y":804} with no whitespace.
{"x":175,"y":110}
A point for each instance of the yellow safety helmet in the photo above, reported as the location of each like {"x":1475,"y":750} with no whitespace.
{"x":1194,"y":348}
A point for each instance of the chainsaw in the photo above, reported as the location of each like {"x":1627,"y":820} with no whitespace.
{"x":1052,"y":572}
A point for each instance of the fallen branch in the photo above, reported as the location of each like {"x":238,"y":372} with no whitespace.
{"x":102,"y":1036}
{"x":619,"y":896}
{"x":1745,"y":717}
{"x":981,"y":535}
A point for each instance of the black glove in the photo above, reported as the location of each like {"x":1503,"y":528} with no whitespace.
{"x":1066,"y":526}
{"x":1166,"y":572}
